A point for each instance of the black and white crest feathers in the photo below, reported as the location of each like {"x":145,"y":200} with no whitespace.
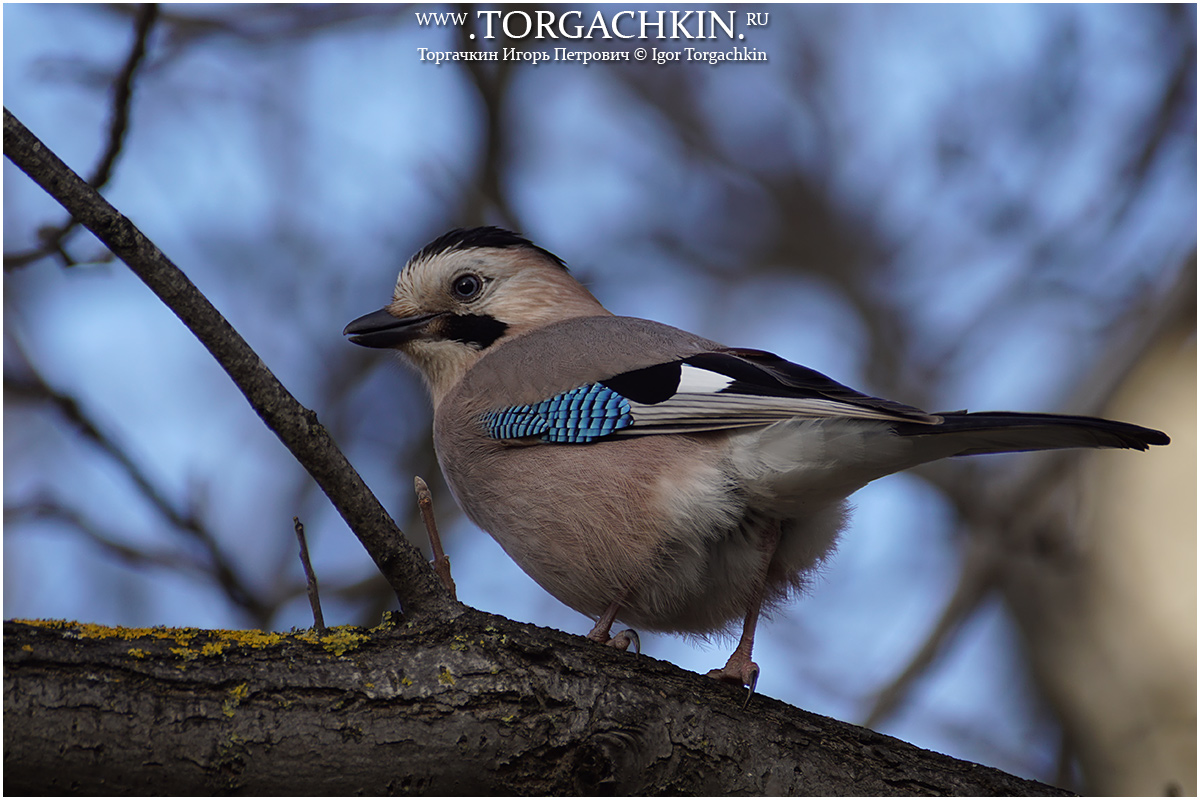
{"x":489,"y":236}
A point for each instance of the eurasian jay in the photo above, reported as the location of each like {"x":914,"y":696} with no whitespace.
{"x":637,"y":471}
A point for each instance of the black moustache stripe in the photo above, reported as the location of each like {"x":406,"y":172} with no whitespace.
{"x":477,"y":330}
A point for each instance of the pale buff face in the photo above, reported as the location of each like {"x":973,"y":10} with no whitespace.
{"x":521,"y":289}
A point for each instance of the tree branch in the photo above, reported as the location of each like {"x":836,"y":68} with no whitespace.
{"x":297,"y":427}
{"x":475,"y":705}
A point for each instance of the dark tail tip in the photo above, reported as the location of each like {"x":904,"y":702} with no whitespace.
{"x":1006,"y":431}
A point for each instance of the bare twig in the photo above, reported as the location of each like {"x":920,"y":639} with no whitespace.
{"x":314,"y":597}
{"x":441,"y":563}
{"x":975,"y":580}
{"x":266,"y":23}
{"x":123,"y":95}
{"x":108,"y":543}
{"x":34,"y":386}
{"x":492,"y":80}
{"x":52,"y":238}
{"x":296,"y":426}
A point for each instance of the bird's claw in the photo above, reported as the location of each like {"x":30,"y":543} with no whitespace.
{"x":621,"y":641}
{"x":624,"y":639}
{"x":741,"y":671}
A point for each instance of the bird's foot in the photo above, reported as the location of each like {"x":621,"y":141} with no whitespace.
{"x":740,"y":670}
{"x":602,"y":632}
{"x":624,"y":639}
{"x":621,"y":641}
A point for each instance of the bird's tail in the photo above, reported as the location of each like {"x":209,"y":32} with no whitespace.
{"x":801,"y":464}
{"x":967,"y":434}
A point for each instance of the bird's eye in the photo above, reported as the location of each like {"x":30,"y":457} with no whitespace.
{"x":467,"y":287}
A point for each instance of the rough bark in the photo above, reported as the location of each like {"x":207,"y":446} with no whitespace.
{"x":474,"y":705}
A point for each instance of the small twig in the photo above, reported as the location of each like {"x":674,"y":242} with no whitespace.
{"x":314,"y":597}
{"x":976,"y":579}
{"x":189,"y":522}
{"x":52,"y":238}
{"x":109,"y":543}
{"x":123,"y":95}
{"x":441,"y":564}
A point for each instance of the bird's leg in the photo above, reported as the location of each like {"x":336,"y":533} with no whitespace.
{"x":602,"y":631}
{"x":740,"y":668}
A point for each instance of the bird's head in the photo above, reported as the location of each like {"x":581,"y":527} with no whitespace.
{"x":467,"y":292}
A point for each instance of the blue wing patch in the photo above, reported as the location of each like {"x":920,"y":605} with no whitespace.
{"x":577,"y":417}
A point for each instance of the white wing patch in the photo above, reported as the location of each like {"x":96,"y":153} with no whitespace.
{"x":693,"y":380}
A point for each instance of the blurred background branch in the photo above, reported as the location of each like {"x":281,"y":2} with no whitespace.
{"x":122,"y":97}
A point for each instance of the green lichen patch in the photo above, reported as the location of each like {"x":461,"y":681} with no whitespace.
{"x":193,"y":643}
{"x":236,"y":695}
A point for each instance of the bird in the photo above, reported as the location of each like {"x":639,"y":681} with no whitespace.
{"x":641,"y":473}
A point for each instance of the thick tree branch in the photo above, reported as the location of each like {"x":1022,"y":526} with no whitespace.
{"x":297,"y":427}
{"x":475,"y":705}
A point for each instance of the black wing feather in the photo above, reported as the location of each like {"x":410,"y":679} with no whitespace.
{"x":649,"y":385}
{"x":762,"y":373}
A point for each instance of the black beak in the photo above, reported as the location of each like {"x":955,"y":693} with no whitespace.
{"x":381,"y":329}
